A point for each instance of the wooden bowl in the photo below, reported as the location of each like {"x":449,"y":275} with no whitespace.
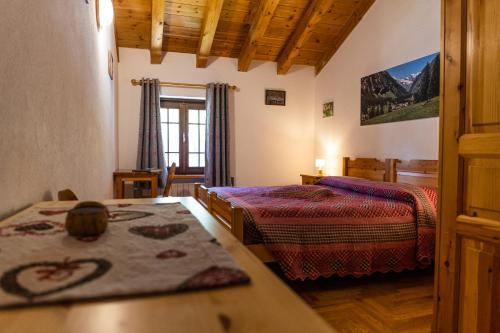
{"x":88,"y":218}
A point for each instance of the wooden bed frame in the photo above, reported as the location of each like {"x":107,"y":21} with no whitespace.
{"x":369,"y":168}
{"x":416,"y":172}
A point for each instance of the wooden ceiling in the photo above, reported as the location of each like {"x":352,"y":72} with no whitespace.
{"x":289,"y":32}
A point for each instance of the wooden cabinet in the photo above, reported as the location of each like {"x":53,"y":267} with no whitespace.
{"x":468,"y":266}
{"x":310,"y":179}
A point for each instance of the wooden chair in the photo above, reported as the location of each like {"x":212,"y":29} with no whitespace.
{"x":170,"y":180}
{"x":66,"y":195}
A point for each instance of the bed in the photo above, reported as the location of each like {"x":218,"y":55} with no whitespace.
{"x":379,"y":217}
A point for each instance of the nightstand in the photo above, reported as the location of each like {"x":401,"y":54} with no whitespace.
{"x":310,"y":179}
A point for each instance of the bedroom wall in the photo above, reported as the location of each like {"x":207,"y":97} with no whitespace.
{"x":391,"y":33}
{"x":272,"y":144}
{"x":57,"y":104}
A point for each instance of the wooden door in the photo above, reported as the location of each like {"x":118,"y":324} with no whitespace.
{"x":467,"y":297}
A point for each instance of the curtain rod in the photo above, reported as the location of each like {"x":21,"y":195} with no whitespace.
{"x":177,"y":84}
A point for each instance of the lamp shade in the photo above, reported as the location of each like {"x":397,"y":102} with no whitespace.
{"x":320,"y":163}
{"x":105,"y":12}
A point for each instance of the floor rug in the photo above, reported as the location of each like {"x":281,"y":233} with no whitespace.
{"x":146,"y":249}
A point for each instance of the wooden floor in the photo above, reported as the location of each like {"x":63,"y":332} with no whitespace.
{"x":392,"y":302}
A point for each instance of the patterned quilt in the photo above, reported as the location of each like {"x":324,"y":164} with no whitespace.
{"x":342,"y":226}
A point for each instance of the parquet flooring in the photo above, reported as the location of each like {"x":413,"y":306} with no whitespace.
{"x":392,"y":302}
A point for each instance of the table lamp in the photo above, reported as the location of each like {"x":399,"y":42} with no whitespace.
{"x":320,"y":164}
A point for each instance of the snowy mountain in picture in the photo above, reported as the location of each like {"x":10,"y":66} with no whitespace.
{"x":405,"y":92}
{"x":407,"y":82}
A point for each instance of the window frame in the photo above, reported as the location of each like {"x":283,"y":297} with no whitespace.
{"x":184,"y":105}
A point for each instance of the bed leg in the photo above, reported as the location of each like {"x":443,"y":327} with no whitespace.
{"x":197,"y":191}
{"x":212,"y":197}
{"x":390,"y":170}
{"x":237,"y":222}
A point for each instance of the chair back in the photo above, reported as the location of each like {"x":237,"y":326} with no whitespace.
{"x":66,"y":195}
{"x":170,"y":180}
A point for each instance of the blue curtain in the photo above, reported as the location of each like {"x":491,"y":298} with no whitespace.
{"x":217,"y":167}
{"x":150,"y":153}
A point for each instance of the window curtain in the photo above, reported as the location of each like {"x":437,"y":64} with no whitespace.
{"x":150,"y":153}
{"x":217,"y":168}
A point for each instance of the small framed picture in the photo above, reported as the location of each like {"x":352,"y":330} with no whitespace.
{"x":275,"y":97}
{"x":328,"y":109}
{"x":110,"y":64}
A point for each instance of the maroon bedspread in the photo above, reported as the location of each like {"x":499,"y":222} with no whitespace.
{"x":342,"y":226}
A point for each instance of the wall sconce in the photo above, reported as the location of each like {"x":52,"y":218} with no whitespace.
{"x":320,"y":164}
{"x":104,"y":13}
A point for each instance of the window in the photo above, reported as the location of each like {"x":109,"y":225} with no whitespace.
{"x":183,"y":126}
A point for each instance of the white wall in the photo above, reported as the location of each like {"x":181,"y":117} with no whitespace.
{"x":391,"y":33}
{"x":57,"y":103}
{"x":272,"y":144}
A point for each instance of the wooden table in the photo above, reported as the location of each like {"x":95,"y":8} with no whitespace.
{"x":266,"y":305}
{"x":122,"y":175}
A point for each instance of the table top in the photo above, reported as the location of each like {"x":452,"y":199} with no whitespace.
{"x":130,"y":172}
{"x":311,"y":175}
{"x":265,"y":305}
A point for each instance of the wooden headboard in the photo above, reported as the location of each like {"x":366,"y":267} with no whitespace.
{"x":368,"y":168}
{"x":417,"y":172}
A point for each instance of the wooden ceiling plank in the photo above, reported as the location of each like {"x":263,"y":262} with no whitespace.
{"x":185,"y":18}
{"x":258,"y":28}
{"x":308,"y":21}
{"x":353,"y":21}
{"x":157,"y":22}
{"x":210,"y":21}
{"x":176,"y":8}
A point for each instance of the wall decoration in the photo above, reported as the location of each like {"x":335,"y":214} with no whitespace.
{"x":275,"y":97}
{"x":328,"y":109}
{"x":405,"y":92}
{"x":110,"y":64}
{"x":104,"y":13}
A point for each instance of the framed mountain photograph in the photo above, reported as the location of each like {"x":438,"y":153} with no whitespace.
{"x":405,"y":92}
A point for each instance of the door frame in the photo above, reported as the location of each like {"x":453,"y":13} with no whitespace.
{"x":451,"y":165}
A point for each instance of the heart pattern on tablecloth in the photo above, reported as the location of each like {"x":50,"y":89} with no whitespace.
{"x":50,"y":277}
{"x":88,"y":239}
{"x":52,"y":212}
{"x":124,"y":205}
{"x":126,"y":215}
{"x":147,"y":249}
{"x":169,"y":254}
{"x":33,"y":228}
{"x":215,"y":276}
{"x":159,"y":231}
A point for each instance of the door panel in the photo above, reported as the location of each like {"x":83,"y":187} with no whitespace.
{"x":468,"y":267}
{"x":479,"y":276}
{"x":483,"y":58}
{"x":483,"y":188}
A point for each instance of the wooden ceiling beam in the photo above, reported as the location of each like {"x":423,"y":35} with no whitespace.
{"x":157,"y":22}
{"x":210,"y":21}
{"x":305,"y":27}
{"x":353,"y":21}
{"x":257,"y":30}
